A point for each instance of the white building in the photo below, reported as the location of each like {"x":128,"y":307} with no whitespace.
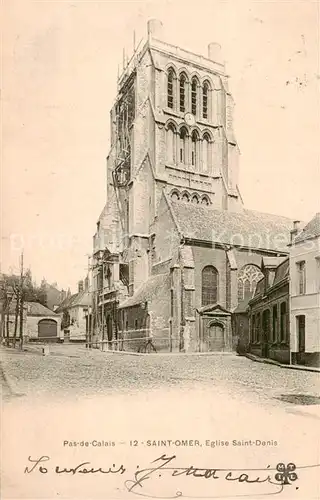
{"x":305,"y":294}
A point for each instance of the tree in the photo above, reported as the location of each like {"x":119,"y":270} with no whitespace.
{"x":20,"y":289}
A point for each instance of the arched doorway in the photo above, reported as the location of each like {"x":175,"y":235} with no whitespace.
{"x":109,"y":327}
{"x":48,"y":329}
{"x":216,"y":340}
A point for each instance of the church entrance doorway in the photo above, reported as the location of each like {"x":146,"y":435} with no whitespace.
{"x":216,"y":341}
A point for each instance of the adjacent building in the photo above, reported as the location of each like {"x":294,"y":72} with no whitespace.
{"x":305,"y":294}
{"x":74,"y":312}
{"x":39,"y":323}
{"x":175,"y":250}
{"x":268,"y":310}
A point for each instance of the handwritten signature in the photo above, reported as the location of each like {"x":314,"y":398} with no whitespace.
{"x":278,"y":477}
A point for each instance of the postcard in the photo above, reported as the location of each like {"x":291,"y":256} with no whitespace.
{"x":160,"y":269}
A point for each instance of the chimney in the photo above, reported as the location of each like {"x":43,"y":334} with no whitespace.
{"x":294,"y":231}
{"x":80,"y":286}
{"x":214,"y":52}
{"x":86,"y":284}
{"x":155,"y":29}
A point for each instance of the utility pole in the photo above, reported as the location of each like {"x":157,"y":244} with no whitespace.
{"x":21,"y":296}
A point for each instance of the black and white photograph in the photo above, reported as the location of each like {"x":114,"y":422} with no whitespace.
{"x":160,"y":249}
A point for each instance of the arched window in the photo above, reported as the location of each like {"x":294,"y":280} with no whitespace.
{"x":170,"y":143}
{"x":206,"y":153}
{"x":175,"y":196}
{"x":170,"y":89}
{"x":210,"y":283}
{"x":185,"y":197}
{"x":205,"y":100}
{"x":183,"y":146}
{"x":194,"y":90}
{"x":183,"y":88}
{"x":204,"y":200}
{"x":194,"y":199}
{"x":248,"y":278}
{"x":194,"y":149}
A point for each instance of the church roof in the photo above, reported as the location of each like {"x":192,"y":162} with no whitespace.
{"x":311,"y":230}
{"x":148,"y":290}
{"x":247,"y":228}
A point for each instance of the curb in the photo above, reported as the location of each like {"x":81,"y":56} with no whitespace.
{"x":313,"y":369}
{"x":128,"y":353}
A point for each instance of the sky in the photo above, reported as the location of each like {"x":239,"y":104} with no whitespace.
{"x":59,"y":69}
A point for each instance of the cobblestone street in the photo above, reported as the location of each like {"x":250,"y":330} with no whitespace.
{"x":75,"y":395}
{"x":77,"y":371}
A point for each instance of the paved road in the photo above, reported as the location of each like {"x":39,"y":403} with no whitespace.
{"x":74,"y":395}
{"x":73,"y":370}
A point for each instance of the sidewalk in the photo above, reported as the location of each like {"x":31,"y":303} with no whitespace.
{"x":273,"y":362}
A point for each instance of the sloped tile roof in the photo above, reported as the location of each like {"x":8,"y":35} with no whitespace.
{"x":242,"y":306}
{"x":247,"y":228}
{"x":37,"y":309}
{"x":148,"y":290}
{"x":282,"y":272}
{"x":77,"y":299}
{"x":311,"y":230}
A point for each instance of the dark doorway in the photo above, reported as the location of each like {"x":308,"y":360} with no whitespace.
{"x":265,"y":333}
{"x":109,"y":327}
{"x":301,"y":328}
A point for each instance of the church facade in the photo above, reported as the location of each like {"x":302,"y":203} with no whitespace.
{"x":175,"y":251}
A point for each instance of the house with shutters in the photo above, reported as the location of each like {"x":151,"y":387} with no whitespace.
{"x":175,"y":250}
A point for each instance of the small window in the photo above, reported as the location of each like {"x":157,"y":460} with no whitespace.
{"x":185,"y":197}
{"x":175,"y":196}
{"x":301,"y":277}
{"x":195,"y":199}
{"x":204,"y":200}
{"x":136,"y":324}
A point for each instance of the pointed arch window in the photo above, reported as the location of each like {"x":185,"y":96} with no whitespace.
{"x":194,"y":89}
{"x":170,"y":88}
{"x":248,"y":278}
{"x":206,"y":153}
{"x":175,"y":196}
{"x":205,"y":100}
{"x":210,"y":283}
{"x":183,"y":146}
{"x":194,"y":149}
{"x":204,"y":200}
{"x":170,"y":144}
{"x":183,"y":88}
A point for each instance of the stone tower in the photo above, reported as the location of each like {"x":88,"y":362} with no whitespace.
{"x":172,"y":131}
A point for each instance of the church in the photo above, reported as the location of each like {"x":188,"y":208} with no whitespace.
{"x":175,"y":250}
